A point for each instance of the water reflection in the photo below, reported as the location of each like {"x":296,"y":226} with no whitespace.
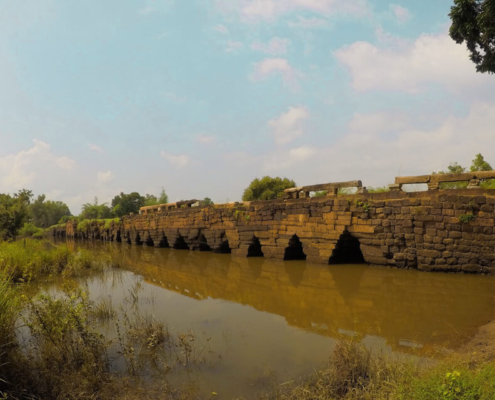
{"x":258,"y":315}
{"x":409,"y":309}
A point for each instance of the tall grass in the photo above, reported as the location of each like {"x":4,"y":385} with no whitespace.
{"x":354,"y":373}
{"x":28,"y":260}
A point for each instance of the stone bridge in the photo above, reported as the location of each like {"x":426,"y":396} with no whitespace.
{"x":434,"y":230}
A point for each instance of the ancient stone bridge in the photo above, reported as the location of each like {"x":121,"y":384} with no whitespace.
{"x":433,"y":230}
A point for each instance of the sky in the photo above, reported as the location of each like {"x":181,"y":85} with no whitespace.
{"x":202,"y":96}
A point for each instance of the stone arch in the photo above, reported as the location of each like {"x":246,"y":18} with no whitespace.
{"x":149,"y":241}
{"x":137,"y":239}
{"x":203,"y":243}
{"x":163,"y":242}
{"x":180,"y":243}
{"x":118,"y":238}
{"x":294,"y":251}
{"x":347,"y":251}
{"x":254,"y":249}
{"x":224,"y":246}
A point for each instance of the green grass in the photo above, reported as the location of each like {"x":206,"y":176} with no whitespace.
{"x":354,"y":373}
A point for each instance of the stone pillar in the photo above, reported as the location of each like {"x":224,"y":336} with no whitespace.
{"x":433,"y":185}
{"x":395,"y":187}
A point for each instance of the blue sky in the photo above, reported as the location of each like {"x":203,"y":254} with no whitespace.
{"x":200,"y":97}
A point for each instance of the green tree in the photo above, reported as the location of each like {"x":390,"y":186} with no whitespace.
{"x":267,"y":188}
{"x":152,"y":200}
{"x":14,"y":213}
{"x":95,"y":211}
{"x":45,"y":213}
{"x":479,"y":164}
{"x":473,"y":22}
{"x":207,"y":201}
{"x":124,"y":204}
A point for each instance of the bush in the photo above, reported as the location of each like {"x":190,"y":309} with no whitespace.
{"x":267,"y":188}
{"x":30,"y":230}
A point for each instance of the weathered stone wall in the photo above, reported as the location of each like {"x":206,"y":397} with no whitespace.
{"x":444,"y":230}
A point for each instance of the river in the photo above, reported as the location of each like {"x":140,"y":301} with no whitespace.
{"x":260,"y":317}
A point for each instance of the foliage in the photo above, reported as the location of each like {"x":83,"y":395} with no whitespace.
{"x":207,"y":202}
{"x":466,"y":218}
{"x":267,"y":188}
{"x":151,"y":200}
{"x":95,"y":211}
{"x":473,"y":22}
{"x":14,"y":212}
{"x":30,"y":230}
{"x":45,"y":213}
{"x":124,"y":204}
{"x":363,"y":204}
{"x":478,"y":164}
{"x":321,"y":193}
{"x":379,"y":189}
{"x":65,"y":219}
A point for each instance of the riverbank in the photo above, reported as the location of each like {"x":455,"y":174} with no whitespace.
{"x":68,"y":357}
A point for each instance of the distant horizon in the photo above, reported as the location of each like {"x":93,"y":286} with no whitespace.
{"x":200,"y":98}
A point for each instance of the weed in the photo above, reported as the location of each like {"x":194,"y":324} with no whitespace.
{"x":363,"y":204}
{"x":466,"y":218}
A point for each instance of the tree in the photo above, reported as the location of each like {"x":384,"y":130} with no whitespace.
{"x":124,"y":204}
{"x":473,"y":22}
{"x":95,"y":211}
{"x":479,"y":164}
{"x":267,"y":188}
{"x":152,"y":200}
{"x":47,"y":213}
{"x":14,"y":212}
{"x":207,"y":201}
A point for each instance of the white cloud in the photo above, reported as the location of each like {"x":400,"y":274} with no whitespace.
{"x":308,"y":23}
{"x":24,"y":168}
{"x":275,"y":46}
{"x":95,"y":148}
{"x":412,"y":68}
{"x":289,"y":125}
{"x":205,"y":139}
{"x":401,"y":14}
{"x":233,"y":46}
{"x":178,"y":161}
{"x":221,"y":29}
{"x":105,"y":177}
{"x":301,"y":153}
{"x":272,"y":66}
{"x":258,"y":10}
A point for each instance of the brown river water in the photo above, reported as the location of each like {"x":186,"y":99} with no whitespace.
{"x":264,"y":317}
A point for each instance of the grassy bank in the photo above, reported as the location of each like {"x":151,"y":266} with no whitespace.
{"x":52,"y":348}
{"x":355,"y":374}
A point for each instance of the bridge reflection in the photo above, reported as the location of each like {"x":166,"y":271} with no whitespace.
{"x":409,"y":309}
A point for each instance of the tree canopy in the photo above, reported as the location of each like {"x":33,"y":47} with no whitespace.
{"x":14,"y":212}
{"x":478,"y":164}
{"x":152,"y":200}
{"x":473,"y":22}
{"x":95,"y":211}
{"x":45,"y":213}
{"x":267,"y":188}
{"x":124,"y":204}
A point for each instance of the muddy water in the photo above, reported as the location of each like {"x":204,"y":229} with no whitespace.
{"x":258,"y":316}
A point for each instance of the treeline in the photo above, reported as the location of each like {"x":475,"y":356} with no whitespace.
{"x":21,"y":214}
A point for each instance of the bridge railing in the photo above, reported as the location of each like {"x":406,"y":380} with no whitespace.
{"x":330,"y":188}
{"x":433,"y":181}
{"x":169,"y":206}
